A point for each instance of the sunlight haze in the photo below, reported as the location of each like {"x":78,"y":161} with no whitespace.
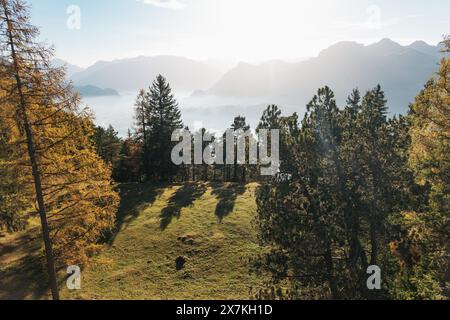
{"x":231,"y":30}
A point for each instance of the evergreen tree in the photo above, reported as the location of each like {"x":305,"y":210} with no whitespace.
{"x":159,"y":116}
{"x":239,"y":125}
{"x":270,"y":119}
{"x":128,"y":168}
{"x":335,"y":216}
{"x":354,"y":104}
{"x":141,"y":117}
{"x":301,"y":218}
{"x":107,"y":144}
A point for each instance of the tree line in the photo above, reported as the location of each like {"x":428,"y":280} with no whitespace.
{"x":145,"y":154}
{"x":364,"y":190}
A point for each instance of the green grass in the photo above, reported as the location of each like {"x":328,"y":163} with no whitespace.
{"x":210,"y":225}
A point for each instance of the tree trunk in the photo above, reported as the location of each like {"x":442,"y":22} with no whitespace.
{"x":205,"y":172}
{"x":330,"y":275}
{"x":374,"y":244}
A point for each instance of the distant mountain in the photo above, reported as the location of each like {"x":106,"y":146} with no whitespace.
{"x":70,"y":68}
{"x":402,"y":71}
{"x":93,"y":91}
{"x":135,"y":73}
{"x":423,"y":47}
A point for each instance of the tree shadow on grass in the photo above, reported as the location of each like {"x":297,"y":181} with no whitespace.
{"x":22,"y":269}
{"x":183,"y":197}
{"x":134,"y":198}
{"x":227,"y":195}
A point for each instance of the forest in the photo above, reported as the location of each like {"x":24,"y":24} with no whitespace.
{"x":356,"y":186}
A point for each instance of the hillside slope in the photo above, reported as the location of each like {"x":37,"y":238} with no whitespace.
{"x":207,"y":225}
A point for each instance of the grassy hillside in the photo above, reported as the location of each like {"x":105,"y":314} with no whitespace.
{"x":206,"y":226}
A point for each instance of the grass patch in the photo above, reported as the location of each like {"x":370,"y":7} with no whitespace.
{"x":206,"y":225}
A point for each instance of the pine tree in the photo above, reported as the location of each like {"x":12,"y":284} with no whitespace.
{"x":108,"y":144}
{"x":302,"y":217}
{"x":141,"y":117}
{"x":159,"y":116}
{"x":270,"y":119}
{"x":239,"y":125}
{"x":354,"y":104}
{"x":128,"y":168}
{"x":337,"y":213}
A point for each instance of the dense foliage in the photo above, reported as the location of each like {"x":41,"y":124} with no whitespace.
{"x":362,"y":190}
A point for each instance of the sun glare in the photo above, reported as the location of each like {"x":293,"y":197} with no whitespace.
{"x":262,"y":28}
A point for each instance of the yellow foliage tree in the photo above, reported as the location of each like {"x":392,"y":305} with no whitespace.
{"x":47,"y":147}
{"x":426,"y":244}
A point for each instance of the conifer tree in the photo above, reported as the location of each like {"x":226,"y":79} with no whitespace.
{"x":13,"y":183}
{"x":128,"y":168}
{"x":239,"y":125}
{"x":271,"y":118}
{"x":158,"y":116}
{"x":108,"y":144}
{"x":141,"y":117}
{"x":424,"y":246}
{"x":336,"y":214}
{"x":52,"y":146}
{"x":301,"y":218}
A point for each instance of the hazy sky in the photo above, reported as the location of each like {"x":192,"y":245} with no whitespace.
{"x":85,"y":31}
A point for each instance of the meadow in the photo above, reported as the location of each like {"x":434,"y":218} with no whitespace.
{"x":189,"y":241}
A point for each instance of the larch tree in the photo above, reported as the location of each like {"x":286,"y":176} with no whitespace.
{"x":425,"y":246}
{"x":49,"y":139}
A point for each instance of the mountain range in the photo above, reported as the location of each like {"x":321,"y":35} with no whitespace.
{"x":135,"y":73}
{"x":71,"y":69}
{"x":402,"y":72}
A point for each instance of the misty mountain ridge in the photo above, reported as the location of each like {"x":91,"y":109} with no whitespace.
{"x":401,"y":70}
{"x":71,"y":69}
{"x":132,"y":74}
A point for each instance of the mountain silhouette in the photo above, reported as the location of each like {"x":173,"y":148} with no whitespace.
{"x":71,"y":69}
{"x":402,"y":71}
{"x":135,"y":73}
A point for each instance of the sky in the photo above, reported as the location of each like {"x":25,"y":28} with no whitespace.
{"x":86,"y":31}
